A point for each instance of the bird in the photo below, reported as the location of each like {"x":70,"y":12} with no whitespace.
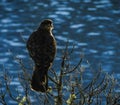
{"x":41,"y":47}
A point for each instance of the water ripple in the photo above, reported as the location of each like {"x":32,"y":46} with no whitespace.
{"x":13,"y":43}
{"x":110,"y":52}
{"x":93,"y":34}
{"x":77,"y":25}
{"x":3,"y":60}
{"x":6,"y":20}
{"x":62,"y":13}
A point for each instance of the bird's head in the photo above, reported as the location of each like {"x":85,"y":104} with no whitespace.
{"x":47,"y":24}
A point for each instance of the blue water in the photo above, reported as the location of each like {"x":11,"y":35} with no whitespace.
{"x":93,"y":26}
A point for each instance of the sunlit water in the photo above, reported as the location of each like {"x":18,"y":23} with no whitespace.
{"x":92,"y":26}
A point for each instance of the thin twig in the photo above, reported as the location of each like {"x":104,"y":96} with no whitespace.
{"x":70,"y":71}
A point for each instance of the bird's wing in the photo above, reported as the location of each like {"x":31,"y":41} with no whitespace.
{"x":42,"y":48}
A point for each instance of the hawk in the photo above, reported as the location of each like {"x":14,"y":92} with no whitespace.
{"x":41,"y":46}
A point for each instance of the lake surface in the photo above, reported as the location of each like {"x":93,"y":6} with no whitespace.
{"x":93,"y":26}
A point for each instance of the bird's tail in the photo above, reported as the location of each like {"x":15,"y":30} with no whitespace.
{"x":39,"y":80}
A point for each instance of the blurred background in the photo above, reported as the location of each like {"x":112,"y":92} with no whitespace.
{"x":93,"y":26}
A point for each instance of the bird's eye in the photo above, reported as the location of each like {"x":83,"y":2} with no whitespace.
{"x":49,"y":24}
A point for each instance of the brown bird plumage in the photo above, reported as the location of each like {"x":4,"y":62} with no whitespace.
{"x":42,"y":48}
